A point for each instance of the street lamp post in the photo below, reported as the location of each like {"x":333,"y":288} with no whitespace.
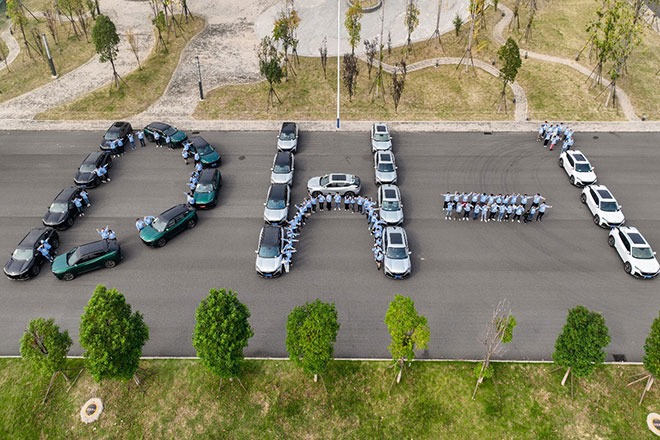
{"x":98,"y":10}
{"x":50,"y":58}
{"x":199,"y":78}
{"x":338,"y":29}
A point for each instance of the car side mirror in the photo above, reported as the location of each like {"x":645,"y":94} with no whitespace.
{"x":409,"y":253}
{"x":264,"y":203}
{"x":256,"y":251}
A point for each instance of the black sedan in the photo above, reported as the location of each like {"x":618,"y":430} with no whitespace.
{"x":176,"y":136}
{"x":118,"y":130}
{"x":25,"y":261}
{"x":85,"y":176}
{"x":62,"y":212}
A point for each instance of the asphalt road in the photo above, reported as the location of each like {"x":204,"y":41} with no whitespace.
{"x":460,"y":270}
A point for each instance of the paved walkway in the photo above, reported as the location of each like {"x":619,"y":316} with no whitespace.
{"x":12,"y":44}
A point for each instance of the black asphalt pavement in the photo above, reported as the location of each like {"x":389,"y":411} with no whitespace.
{"x":460,"y":269}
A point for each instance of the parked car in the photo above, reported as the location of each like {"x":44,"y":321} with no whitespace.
{"x":381,"y":139}
{"x":385,"y":167}
{"x":168,"y":225}
{"x":283,"y":166}
{"x":25,"y":261}
{"x":85,"y":176}
{"x":287,"y":139}
{"x":334,"y":183}
{"x":176,"y":136}
{"x":604,"y":208}
{"x":85,"y":258}
{"x":389,"y":201}
{"x":637,"y":256}
{"x":276,"y":206}
{"x":116,"y":131}
{"x":579,"y":170}
{"x":269,"y":251}
{"x":397,"y":262}
{"x":62,"y":212}
{"x":206,"y":191}
{"x":207,"y":154}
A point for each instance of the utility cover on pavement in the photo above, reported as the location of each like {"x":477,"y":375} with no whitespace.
{"x":653,"y":420}
{"x":91,"y":410}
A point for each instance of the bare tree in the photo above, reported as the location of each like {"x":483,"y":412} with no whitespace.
{"x":323,"y":50}
{"x":476,"y":16}
{"x":3,"y":57}
{"x":436,"y":32}
{"x":378,"y":82}
{"x":516,"y":16}
{"x":370,"y":48}
{"x":533,"y":7}
{"x":134,"y":44}
{"x":350,"y":73}
{"x":411,"y":20}
{"x":398,"y":83}
{"x":51,"y":23}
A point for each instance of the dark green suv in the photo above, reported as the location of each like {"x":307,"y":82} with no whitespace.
{"x":169,"y":224}
{"x":85,"y":258}
{"x":206,"y":191}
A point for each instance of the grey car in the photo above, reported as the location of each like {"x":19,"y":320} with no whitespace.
{"x":384,"y":167}
{"x":334,"y":183}
{"x":269,"y":251}
{"x":276,"y":207}
{"x":287,"y":139}
{"x":397,"y":255}
{"x":282,"y":170}
{"x":389,"y":201}
{"x":381,"y":139}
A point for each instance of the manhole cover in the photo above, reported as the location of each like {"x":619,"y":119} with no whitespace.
{"x":241,"y":157}
{"x":619,"y":357}
{"x":91,"y":410}
{"x":653,"y":422}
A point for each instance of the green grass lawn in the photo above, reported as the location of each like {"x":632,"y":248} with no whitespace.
{"x":180,"y":399}
{"x":139,"y":90}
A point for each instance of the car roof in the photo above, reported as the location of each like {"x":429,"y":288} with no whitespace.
{"x":385,"y":156}
{"x":198,"y":141}
{"x":117,"y":126}
{"x":277,"y":191}
{"x":396,"y":236}
{"x":390,"y":193}
{"x":288,"y":127}
{"x":93,"y":157}
{"x":93,"y":247}
{"x":271,"y":235}
{"x":283,"y":158}
{"x":31,"y":238}
{"x":604,"y":193}
{"x":578,"y":156}
{"x":381,"y":127}
{"x":207,"y":175}
{"x":66,"y":194}
{"x":340,"y":177}
{"x":173,"y":212}
{"x":636,"y":238}
{"x":159,"y":125}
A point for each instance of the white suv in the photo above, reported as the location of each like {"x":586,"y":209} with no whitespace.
{"x":380,"y":137}
{"x":637,"y":256}
{"x":397,"y":255}
{"x":384,"y":167}
{"x":578,"y":168}
{"x":604,"y":208}
{"x":389,"y":201}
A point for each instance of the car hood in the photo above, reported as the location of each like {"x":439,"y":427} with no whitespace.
{"x":268,"y":265}
{"x":212,"y":157}
{"x":203,"y":197}
{"x":275,"y":215}
{"x":391,"y":217}
{"x":613,"y":217}
{"x":386,"y":176}
{"x":59,"y":264}
{"x":17,"y":267}
{"x":381,"y":145}
{"x":589,"y":176}
{"x":647,"y":266}
{"x":314,"y":183}
{"x":54,"y":218}
{"x":396,"y":266}
{"x":149,"y":234}
{"x":179,"y":136}
{"x":84,"y":177}
{"x":281,"y":177}
{"x":285,"y":145}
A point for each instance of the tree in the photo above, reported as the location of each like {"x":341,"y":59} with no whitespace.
{"x":350,"y":73}
{"x":106,"y":43}
{"x":436,"y":32}
{"x":111,"y":335}
{"x":283,"y":33}
{"x":409,"y":331}
{"x":160,"y":23}
{"x":651,"y":358}
{"x":499,"y":331}
{"x":3,"y":57}
{"x":353,"y":25}
{"x":509,"y":55}
{"x":458,"y":23}
{"x":476,"y":16}
{"x":270,"y":67}
{"x":46,"y":348}
{"x":134,"y":44}
{"x":323,"y":51}
{"x":398,"y":83}
{"x":411,"y":20}
{"x":533,"y":7}
{"x":17,"y":15}
{"x":370,"y":48}
{"x":516,"y":16}
{"x":221,"y":333}
{"x":579,"y":347}
{"x":311,"y":331}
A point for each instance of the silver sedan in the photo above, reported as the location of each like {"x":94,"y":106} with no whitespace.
{"x":334,"y":183}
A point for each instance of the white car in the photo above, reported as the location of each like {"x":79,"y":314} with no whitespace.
{"x":604,"y":208}
{"x":397,"y":255}
{"x":579,"y":170}
{"x":282,"y":169}
{"x":276,"y":206}
{"x":344,"y":184}
{"x":637,"y":256}
{"x":270,"y":251}
{"x":389,"y":201}
{"x":381,"y":139}
{"x":287,"y":139}
{"x":384,"y":167}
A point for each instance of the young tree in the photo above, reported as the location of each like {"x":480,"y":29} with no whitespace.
{"x":516,"y":16}
{"x":353,"y":25}
{"x":350,"y":74}
{"x":323,"y":51}
{"x":476,"y":17}
{"x":579,"y":347}
{"x":533,"y":7}
{"x":311,"y":331}
{"x":409,"y":331}
{"x":651,"y":358}
{"x":499,"y":331}
{"x":160,"y":23}
{"x":436,"y":32}
{"x":17,"y":16}
{"x":51,"y":23}
{"x":111,"y":335}
{"x":282,"y":34}
{"x":398,"y":83}
{"x":411,"y":20}
{"x":3,"y":57}
{"x":106,"y":43}
{"x":378,"y":81}
{"x":46,"y":348}
{"x":370,"y":48}
{"x":389,"y":42}
{"x":509,"y":55}
{"x":221,"y":333}
{"x":458,"y":23}
{"x":134,"y":44}
{"x":270,"y":67}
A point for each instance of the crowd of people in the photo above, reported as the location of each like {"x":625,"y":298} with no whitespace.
{"x":551,"y":134}
{"x":501,"y":207}
{"x":107,"y":233}
{"x":186,"y":153}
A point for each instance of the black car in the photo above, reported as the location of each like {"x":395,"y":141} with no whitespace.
{"x":25,"y":261}
{"x":62,"y":212}
{"x":85,"y":176}
{"x":117,"y":130}
{"x":176,"y":136}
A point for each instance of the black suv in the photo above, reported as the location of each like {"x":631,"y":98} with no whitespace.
{"x":25,"y":261}
{"x":117,"y":130}
{"x":62,"y":212}
{"x":85,"y":176}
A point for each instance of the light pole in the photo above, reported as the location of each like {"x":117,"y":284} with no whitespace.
{"x":98,"y":10}
{"x":199,"y":78}
{"x":338,"y":28}
{"x":50,"y":58}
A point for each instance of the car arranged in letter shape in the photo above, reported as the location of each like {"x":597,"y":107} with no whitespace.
{"x":85,"y":176}
{"x":391,"y":208}
{"x":605,"y":210}
{"x":176,"y":136}
{"x":62,"y":212}
{"x":206,"y":191}
{"x":385,"y":168}
{"x":169,"y":224}
{"x":276,"y":207}
{"x":637,"y":256}
{"x":577,"y":167}
{"x":85,"y":258}
{"x":282,"y":170}
{"x":207,"y":154}
{"x":334,"y":183}
{"x":380,"y":137}
{"x":397,"y":255}
{"x":269,"y":251}
{"x":287,"y":139}
{"x":118,"y":130}
{"x":25,"y":261}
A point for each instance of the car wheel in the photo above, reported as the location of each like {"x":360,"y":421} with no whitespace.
{"x":350,"y":194}
{"x":55,"y":242}
{"x":596,"y":220}
{"x":583,"y":198}
{"x":572,"y":180}
{"x":161,"y":242}
{"x":191,"y":224}
{"x":110,"y":263}
{"x":69,"y":222}
{"x":561,"y":163}
{"x":627,"y":267}
{"x":316,"y":194}
{"x":610,"y":241}
{"x":68,"y":276}
{"x":35,"y":270}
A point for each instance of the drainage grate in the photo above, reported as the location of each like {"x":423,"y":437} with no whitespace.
{"x":596,"y":137}
{"x":488,"y":132}
{"x":619,"y":357}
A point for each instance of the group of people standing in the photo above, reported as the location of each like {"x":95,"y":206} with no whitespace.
{"x":501,"y":207}
{"x":118,"y":148}
{"x":141,"y":223}
{"x":553,"y":133}
{"x":107,"y":233}
{"x":78,"y":202}
{"x":194,"y":175}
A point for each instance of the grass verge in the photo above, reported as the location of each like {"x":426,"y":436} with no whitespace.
{"x":139,"y":90}
{"x":180,"y":399}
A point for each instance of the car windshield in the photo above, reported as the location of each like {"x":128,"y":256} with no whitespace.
{"x":386,"y":167}
{"x":383,"y":137}
{"x":324,"y":180}
{"x":643,"y":253}
{"x":205,"y":149}
{"x":609,"y":206}
{"x":159,"y":225}
{"x":87,"y":168}
{"x":22,"y":254}
{"x":287,"y":136}
{"x":204,"y":188}
{"x":282,"y":169}
{"x":111,"y":135}
{"x":169,"y":131}
{"x":582,"y":167}
{"x":269,"y":251}
{"x":72,"y":256}
{"x":397,"y":253}
{"x":58,"y":207}
{"x":275,"y":204}
{"x":390,"y":205}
